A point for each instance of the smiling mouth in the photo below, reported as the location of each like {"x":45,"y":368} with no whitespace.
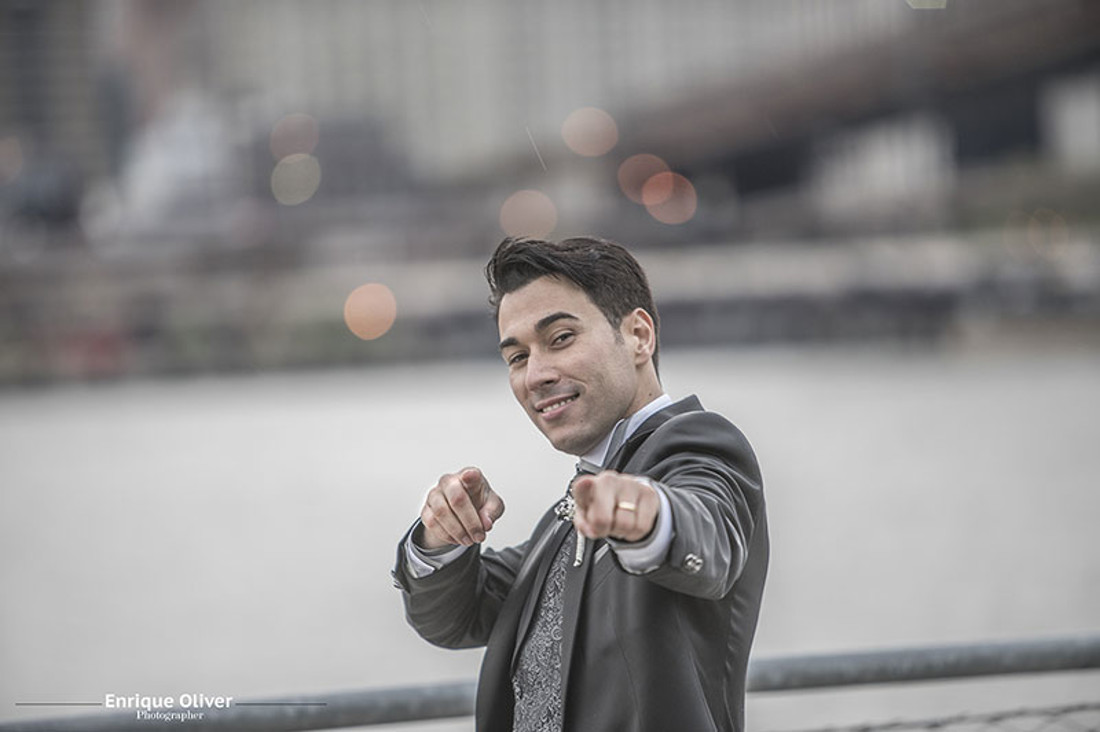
{"x":557,"y":404}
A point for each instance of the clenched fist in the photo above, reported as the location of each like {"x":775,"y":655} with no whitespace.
{"x":614,"y":505}
{"x":459,"y":509}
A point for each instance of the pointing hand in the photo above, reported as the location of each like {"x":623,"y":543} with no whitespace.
{"x":614,"y":505}
{"x":459,"y":509}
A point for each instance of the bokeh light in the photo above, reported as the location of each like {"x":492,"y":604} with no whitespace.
{"x":370,"y":311}
{"x":295,"y":179}
{"x":294,"y":134}
{"x":528,"y":213}
{"x":1046,"y":230}
{"x":11,"y":159}
{"x":670,"y":198}
{"x":636,"y":170}
{"x":658,"y":188}
{"x":590,"y":132}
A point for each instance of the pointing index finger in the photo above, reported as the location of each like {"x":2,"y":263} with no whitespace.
{"x":471,"y":478}
{"x":582,"y":490}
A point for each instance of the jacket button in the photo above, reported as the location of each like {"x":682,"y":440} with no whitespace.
{"x":693,"y":563}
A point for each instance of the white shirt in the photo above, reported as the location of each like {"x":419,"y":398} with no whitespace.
{"x":635,"y":557}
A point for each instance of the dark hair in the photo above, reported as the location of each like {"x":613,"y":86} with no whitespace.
{"x":606,"y":271}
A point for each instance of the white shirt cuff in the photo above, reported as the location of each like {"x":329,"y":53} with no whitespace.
{"x":420,"y":562}
{"x":648,"y":555}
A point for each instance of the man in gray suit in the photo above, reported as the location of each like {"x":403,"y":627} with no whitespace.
{"x":633,"y":604}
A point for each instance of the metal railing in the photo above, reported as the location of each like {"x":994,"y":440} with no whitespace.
{"x":440,"y":701}
{"x":1076,"y":717}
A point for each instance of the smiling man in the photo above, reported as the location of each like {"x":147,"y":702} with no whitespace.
{"x":633,"y":604}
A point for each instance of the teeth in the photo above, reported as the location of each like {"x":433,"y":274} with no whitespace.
{"x":555,"y":405}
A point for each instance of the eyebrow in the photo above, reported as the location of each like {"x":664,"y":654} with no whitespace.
{"x":540,"y":326}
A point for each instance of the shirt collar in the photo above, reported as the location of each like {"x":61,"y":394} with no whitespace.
{"x":598,"y":455}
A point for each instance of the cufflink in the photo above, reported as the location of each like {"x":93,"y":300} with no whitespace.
{"x":692,"y":563}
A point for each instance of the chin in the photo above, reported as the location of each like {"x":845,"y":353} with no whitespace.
{"x":570,"y":444}
{"x":561,"y":443}
{"x":565,"y":437}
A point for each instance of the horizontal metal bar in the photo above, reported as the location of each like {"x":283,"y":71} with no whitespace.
{"x":927,"y":663}
{"x":439,"y":701}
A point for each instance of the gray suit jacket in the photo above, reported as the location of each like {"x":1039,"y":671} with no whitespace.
{"x":663,"y":651}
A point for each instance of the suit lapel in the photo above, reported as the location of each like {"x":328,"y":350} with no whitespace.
{"x":621,"y":457}
{"x":575,"y":581}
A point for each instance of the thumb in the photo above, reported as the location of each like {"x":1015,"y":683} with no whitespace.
{"x":492,"y":510}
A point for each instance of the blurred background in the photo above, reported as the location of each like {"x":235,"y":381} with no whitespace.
{"x":240,"y":288}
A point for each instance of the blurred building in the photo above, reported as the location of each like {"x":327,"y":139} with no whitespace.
{"x":459,"y":84}
{"x":796,"y":119}
{"x":246,"y":156}
{"x":51,"y":136}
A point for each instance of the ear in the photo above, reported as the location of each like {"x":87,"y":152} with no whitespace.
{"x":638,"y":326}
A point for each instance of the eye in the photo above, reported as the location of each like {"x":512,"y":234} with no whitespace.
{"x":516,"y":358}
{"x":562,"y":338}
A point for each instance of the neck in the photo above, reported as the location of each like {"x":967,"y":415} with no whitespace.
{"x":649,"y":388}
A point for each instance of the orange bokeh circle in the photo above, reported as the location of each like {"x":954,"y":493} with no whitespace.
{"x":670,"y":198}
{"x":370,"y":311}
{"x":590,"y":132}
{"x":528,"y":213}
{"x":636,"y":170}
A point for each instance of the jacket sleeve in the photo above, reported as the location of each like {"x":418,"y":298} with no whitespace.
{"x":713,"y":484}
{"x":457,"y":605}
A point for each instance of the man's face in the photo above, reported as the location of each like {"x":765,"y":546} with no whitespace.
{"x":573,"y":373}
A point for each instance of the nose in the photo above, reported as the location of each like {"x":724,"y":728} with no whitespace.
{"x":540,"y":372}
